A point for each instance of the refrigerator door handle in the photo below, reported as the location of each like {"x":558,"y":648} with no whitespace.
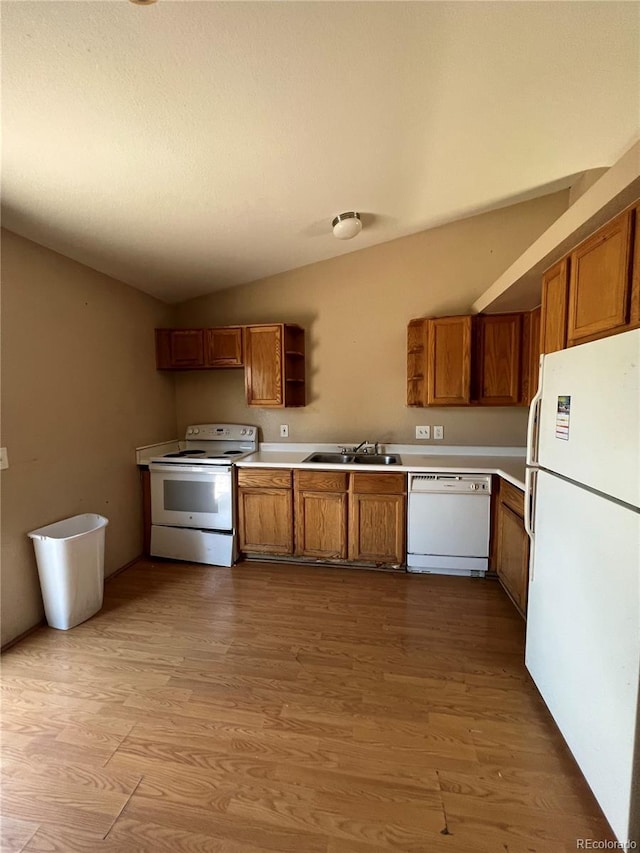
{"x":529,"y":497}
{"x":531,"y":482}
{"x":533,"y":422}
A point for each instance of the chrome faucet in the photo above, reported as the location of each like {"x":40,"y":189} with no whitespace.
{"x":365,"y":447}
{"x":366,"y":443}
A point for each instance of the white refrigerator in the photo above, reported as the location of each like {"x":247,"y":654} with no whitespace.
{"x":582,"y":513}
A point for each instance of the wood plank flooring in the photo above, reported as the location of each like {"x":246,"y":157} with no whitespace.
{"x":285,"y":709}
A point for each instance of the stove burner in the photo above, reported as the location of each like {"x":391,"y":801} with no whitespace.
{"x":233,"y":452}
{"x":186,"y":453}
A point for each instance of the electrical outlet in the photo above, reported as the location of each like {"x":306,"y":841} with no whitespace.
{"x":4,"y":458}
{"x":438,"y":432}
{"x":284,"y":430}
{"x":423,"y":432}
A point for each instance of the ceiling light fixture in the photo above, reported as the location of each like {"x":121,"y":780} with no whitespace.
{"x":142,"y":2}
{"x":347,"y":225}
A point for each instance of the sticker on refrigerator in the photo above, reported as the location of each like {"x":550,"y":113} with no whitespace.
{"x":562,"y":418}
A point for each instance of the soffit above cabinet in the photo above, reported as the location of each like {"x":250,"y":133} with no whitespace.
{"x":519,"y":287}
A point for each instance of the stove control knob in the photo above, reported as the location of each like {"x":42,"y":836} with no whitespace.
{"x":189,"y":431}
{"x":243,"y":432}
{"x":250,"y":432}
{"x":196,"y":431}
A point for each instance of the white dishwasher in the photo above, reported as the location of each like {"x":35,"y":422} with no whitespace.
{"x":448,"y":524}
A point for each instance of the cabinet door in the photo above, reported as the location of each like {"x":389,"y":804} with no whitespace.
{"x":321,"y":524}
{"x":265,"y":520}
{"x":145,"y":482}
{"x":599,"y":284}
{"x":449,"y":361}
{"x":530,"y":354}
{"x":377,"y":528}
{"x":498,"y":365}
{"x":263,"y":365}
{"x":224,"y":347}
{"x":634,"y":319}
{"x":513,"y":556}
{"x":555,"y":300}
{"x":187,"y":348}
{"x":179,"y":348}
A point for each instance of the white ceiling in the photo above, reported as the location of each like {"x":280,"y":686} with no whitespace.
{"x":189,"y":146}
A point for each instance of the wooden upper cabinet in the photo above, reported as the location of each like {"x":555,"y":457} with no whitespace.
{"x":449,"y":361}
{"x":190,"y":349}
{"x":417,"y":362}
{"x":634,"y":318}
{"x":274,"y":365}
{"x":530,"y":367}
{"x":555,"y":300}
{"x":599,"y":286}
{"x":179,"y":348}
{"x":498,"y":359}
{"x":223,"y":347}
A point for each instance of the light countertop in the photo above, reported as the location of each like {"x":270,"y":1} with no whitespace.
{"x":508,"y":463}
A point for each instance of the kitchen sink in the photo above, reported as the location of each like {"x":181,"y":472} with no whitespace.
{"x":331,"y":458}
{"x":354,"y":459}
{"x":378,"y":459}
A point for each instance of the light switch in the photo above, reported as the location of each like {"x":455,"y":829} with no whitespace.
{"x":438,"y":432}
{"x":4,"y":458}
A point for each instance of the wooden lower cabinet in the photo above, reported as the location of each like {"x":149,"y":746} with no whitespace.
{"x":335,"y":515}
{"x":321,"y":525}
{"x":512,"y":546}
{"x":265,"y":511}
{"x":320,"y":511}
{"x":377,"y":518}
{"x":376,"y":528}
{"x":145,"y":482}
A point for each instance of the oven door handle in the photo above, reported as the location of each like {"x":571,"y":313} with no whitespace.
{"x":159,"y":468}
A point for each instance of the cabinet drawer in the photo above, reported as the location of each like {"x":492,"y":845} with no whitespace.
{"x":321,"y":481}
{"x":512,"y":497}
{"x":274,"y":478}
{"x":378,"y":484}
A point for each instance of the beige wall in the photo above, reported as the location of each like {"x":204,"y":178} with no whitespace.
{"x":355,"y":309}
{"x":79,"y":392}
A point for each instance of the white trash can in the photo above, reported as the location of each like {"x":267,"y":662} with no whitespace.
{"x":70,"y":557}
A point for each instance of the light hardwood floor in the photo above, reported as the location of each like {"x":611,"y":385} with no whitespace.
{"x":287,"y":709}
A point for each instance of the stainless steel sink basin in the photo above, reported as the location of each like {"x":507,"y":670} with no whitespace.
{"x":378,"y":459}
{"x":331,"y":458}
{"x":351,"y":458}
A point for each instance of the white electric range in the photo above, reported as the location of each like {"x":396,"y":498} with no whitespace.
{"x":192,"y":494}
